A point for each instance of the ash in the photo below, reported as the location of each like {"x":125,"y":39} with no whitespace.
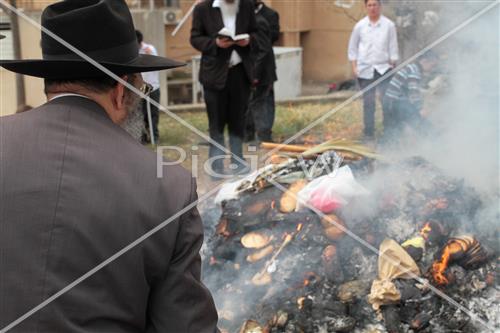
{"x":319,"y":283}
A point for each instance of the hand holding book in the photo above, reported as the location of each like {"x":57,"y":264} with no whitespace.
{"x":224,"y":33}
{"x":224,"y":43}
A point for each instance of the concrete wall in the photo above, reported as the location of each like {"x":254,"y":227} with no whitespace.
{"x":289,"y":71}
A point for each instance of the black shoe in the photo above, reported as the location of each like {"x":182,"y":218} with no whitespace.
{"x":265,"y":136}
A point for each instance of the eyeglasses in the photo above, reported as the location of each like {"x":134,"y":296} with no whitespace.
{"x":146,"y":88}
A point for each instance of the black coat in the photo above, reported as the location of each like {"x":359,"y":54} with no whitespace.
{"x":207,"y":22}
{"x":75,"y":189}
{"x":265,"y":64}
{"x":273,"y":18}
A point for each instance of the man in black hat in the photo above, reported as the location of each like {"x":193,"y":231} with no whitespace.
{"x":225,"y":71}
{"x":76,"y":189}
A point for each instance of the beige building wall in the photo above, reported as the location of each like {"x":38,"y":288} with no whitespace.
{"x":325,"y":45}
{"x":30,"y":36}
{"x":321,"y":28}
{"x":150,"y":23}
{"x":30,"y":49}
{"x":8,"y":101}
{"x":34,"y":5}
{"x":178,"y":46}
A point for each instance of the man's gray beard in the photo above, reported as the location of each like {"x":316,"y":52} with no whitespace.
{"x":134,"y":123}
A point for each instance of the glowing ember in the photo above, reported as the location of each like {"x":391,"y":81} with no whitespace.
{"x":310,"y":278}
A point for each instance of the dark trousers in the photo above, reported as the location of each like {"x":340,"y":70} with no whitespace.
{"x":392,"y":120}
{"x":397,"y":114}
{"x":369,"y":101}
{"x":261,"y":113}
{"x":227,"y":106}
{"x":155,"y":115}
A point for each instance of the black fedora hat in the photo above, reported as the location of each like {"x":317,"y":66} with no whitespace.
{"x":101,"y":29}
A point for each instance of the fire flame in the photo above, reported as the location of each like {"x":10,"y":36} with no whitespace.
{"x":426,"y":230}
{"x":454,"y":249}
{"x":439,"y":267}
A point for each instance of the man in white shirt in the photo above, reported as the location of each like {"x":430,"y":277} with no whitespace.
{"x":373,"y":51}
{"x":153,"y":78}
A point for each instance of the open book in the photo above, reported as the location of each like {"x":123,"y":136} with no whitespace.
{"x":225,"y":33}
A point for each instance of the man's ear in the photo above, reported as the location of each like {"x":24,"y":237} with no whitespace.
{"x":118,"y":94}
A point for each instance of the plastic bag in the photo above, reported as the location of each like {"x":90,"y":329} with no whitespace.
{"x":330,"y":192}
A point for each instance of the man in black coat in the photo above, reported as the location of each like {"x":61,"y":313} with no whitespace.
{"x":261,"y":108}
{"x":225,"y":71}
{"x":77,"y":190}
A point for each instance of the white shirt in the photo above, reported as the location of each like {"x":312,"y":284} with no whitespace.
{"x":373,"y":46}
{"x":65,"y":95}
{"x":229,"y":12}
{"x":153,"y":78}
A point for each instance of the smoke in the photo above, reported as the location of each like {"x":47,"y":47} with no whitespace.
{"x":462,"y":142}
{"x":464,"y":112}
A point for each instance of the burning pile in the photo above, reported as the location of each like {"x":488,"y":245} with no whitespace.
{"x":278,"y":266}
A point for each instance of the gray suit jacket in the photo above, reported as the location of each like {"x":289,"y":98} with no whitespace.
{"x":74,"y":189}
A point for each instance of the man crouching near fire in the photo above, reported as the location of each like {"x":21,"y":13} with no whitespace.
{"x":402,"y":103}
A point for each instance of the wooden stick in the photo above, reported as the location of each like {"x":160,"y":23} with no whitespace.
{"x":286,"y":241}
{"x":282,"y":147}
{"x":346,"y":153}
